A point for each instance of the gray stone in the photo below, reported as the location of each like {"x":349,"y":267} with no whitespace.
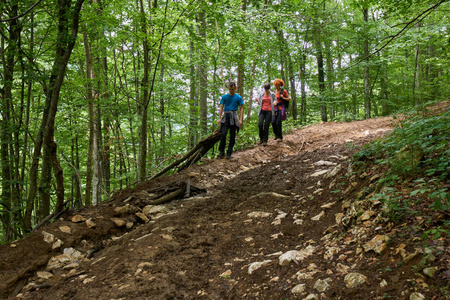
{"x":377,"y":244}
{"x":256,"y":265}
{"x":416,"y":296}
{"x":295,"y":255}
{"x":154,"y":209}
{"x":430,"y":272}
{"x":143,"y":217}
{"x":298,"y":289}
{"x":353,"y":280}
{"x":334,"y":171}
{"x":78,"y":219}
{"x":321,"y":285}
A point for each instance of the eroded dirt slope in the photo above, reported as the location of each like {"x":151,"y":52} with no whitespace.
{"x":267,"y":224}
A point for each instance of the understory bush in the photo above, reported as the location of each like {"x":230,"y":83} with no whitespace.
{"x":416,"y":157}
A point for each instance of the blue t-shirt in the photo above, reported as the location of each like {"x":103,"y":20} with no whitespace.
{"x":231,"y":102}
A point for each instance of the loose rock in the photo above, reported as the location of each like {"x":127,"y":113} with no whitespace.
{"x":256,"y":265}
{"x":298,"y":289}
{"x":377,"y":244}
{"x":78,"y":219}
{"x":353,"y":280}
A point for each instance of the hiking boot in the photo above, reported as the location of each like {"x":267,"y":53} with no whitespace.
{"x":221,"y":155}
{"x":260,"y":142}
{"x":279,"y":140}
{"x":264,"y":143}
{"x":228,"y":157}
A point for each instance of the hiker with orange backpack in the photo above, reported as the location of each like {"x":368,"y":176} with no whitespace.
{"x":281,"y":106}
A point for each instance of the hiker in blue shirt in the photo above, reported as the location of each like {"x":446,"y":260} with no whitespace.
{"x":229,"y":105}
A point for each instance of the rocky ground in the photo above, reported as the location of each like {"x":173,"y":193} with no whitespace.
{"x":291,"y":220}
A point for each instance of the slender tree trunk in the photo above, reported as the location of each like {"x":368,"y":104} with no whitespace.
{"x":384,"y":91}
{"x":241,"y":57}
{"x":250,"y":100}
{"x":8,"y":58}
{"x":293,"y":93}
{"x":303,"y":89}
{"x":203,"y":75}
{"x":66,"y":38}
{"x":416,"y":81}
{"x":90,"y":94}
{"x":221,"y":58}
{"x":163,"y":114}
{"x":330,"y":79}
{"x":193,"y":109}
{"x":143,"y":105}
{"x":367,"y":103}
{"x":321,"y":78}
{"x":27,"y":222}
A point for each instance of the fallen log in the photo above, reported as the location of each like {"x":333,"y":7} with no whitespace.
{"x":193,"y":155}
{"x":167,"y":198}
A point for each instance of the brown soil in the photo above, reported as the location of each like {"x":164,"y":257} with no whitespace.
{"x":186,"y":252}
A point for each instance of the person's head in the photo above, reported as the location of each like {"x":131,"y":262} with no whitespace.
{"x":278,"y":83}
{"x":232,"y":88}
{"x":267,"y":86}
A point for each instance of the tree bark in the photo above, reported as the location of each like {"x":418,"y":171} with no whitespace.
{"x":65,"y":42}
{"x":321,"y":78}
{"x":203,"y":75}
{"x":303,"y":89}
{"x":193,"y":107}
{"x":6,"y":156}
{"x":367,"y":103}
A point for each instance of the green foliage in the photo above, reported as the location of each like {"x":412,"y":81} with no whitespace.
{"x":420,"y":144}
{"x":416,"y":158}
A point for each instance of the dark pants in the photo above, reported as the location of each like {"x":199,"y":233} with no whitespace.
{"x":276,"y":125}
{"x":265,"y":117}
{"x":223,"y":139}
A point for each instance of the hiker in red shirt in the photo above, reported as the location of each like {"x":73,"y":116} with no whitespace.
{"x":266,"y":102}
{"x":280,"y":108}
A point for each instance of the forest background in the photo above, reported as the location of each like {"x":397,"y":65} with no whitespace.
{"x":99,"y":95}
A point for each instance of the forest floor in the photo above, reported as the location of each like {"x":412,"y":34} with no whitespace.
{"x":266,"y":224}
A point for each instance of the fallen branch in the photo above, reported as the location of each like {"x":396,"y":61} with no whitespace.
{"x":50,"y":216}
{"x":193,"y":155}
{"x":167,"y":198}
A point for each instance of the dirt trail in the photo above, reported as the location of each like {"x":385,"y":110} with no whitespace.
{"x":231,"y":242}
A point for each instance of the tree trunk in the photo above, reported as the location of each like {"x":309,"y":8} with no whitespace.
{"x":203,"y":75}
{"x":6,"y":136}
{"x":321,"y":78}
{"x":162,"y":111}
{"x":251,"y":97}
{"x":303,"y":89}
{"x":65,"y":42}
{"x":293,"y":93}
{"x":416,"y":80}
{"x":330,"y":79}
{"x":90,"y":94}
{"x":367,"y":103}
{"x":193,"y":108}
{"x":143,"y":105}
{"x":241,"y":58}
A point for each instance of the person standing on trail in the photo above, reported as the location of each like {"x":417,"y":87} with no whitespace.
{"x":229,"y":105}
{"x":266,"y":101}
{"x":280,"y":108}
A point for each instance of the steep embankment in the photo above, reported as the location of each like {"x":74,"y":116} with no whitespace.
{"x":289,"y":220}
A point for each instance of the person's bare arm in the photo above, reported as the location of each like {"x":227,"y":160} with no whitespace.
{"x":241,"y":115}
{"x":285,"y":98}
{"x":220,"y":114}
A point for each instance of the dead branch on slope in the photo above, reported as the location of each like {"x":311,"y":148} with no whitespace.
{"x":193,"y":155}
